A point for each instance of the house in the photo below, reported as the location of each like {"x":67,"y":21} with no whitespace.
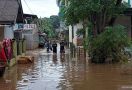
{"x":30,"y":31}
{"x":16,"y":26}
{"x":10,"y":13}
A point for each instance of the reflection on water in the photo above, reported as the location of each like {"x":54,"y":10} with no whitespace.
{"x":60,"y":72}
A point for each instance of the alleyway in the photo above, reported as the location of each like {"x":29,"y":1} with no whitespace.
{"x":53,"y":72}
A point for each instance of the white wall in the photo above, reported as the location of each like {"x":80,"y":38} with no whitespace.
{"x":31,"y":36}
{"x":31,"y":41}
{"x":75,"y":28}
{"x":70,"y":33}
{"x":75,"y":35}
{"x":8,"y":32}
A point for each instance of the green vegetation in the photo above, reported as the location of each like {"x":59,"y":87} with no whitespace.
{"x":109,"y":45}
{"x":100,"y":13}
{"x":49,"y":25}
{"x":98,"y":17}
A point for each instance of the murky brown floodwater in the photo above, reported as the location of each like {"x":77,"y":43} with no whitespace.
{"x":52,"y":72}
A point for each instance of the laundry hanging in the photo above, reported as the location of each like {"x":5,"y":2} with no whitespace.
{"x":7,"y":47}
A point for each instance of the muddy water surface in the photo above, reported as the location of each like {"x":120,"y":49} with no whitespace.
{"x":60,"y":72}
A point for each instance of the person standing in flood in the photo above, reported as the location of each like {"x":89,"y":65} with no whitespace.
{"x":48,"y":45}
{"x":62,"y":48}
{"x":54,"y":47}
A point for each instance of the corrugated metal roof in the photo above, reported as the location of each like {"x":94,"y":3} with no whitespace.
{"x":8,"y":10}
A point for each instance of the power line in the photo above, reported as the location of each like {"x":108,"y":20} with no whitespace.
{"x":28,"y":7}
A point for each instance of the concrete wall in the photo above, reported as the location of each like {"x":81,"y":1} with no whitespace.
{"x":70,"y":33}
{"x":31,"y":41}
{"x":8,"y":32}
{"x":75,"y":35}
{"x":31,"y":36}
{"x":75,"y":28}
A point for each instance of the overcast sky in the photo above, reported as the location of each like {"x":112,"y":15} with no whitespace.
{"x":42,"y":8}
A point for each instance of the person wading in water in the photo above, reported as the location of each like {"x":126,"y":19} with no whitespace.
{"x":48,"y":46}
{"x":62,"y":49}
{"x":54,"y":47}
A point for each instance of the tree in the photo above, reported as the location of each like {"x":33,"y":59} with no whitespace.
{"x":100,"y":13}
{"x":95,"y":14}
{"x":109,"y":45}
{"x":49,"y":25}
{"x":55,"y":21}
{"x":46,"y":26}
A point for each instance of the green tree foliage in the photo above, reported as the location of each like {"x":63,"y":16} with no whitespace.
{"x":109,"y":44}
{"x":100,"y":13}
{"x":55,"y":21}
{"x":49,"y":25}
{"x":46,"y":26}
{"x":97,"y":15}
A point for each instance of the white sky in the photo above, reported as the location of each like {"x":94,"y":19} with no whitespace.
{"x":127,"y":1}
{"x":41,"y":8}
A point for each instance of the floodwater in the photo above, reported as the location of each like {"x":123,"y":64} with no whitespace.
{"x":61,"y":72}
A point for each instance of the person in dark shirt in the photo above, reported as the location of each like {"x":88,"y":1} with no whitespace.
{"x":48,"y":45}
{"x":54,"y":47}
{"x":62,"y":48}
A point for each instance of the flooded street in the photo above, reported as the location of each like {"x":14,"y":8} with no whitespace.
{"x":61,"y":72}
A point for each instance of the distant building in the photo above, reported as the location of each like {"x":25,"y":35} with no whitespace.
{"x":30,"y":31}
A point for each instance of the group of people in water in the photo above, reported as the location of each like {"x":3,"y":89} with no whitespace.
{"x":53,"y":46}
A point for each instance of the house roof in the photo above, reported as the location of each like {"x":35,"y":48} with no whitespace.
{"x":30,"y":16}
{"x":9,"y":11}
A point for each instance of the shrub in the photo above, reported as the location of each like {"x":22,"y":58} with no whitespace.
{"x":109,"y":44}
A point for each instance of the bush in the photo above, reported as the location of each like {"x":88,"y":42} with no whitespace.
{"x":109,"y":45}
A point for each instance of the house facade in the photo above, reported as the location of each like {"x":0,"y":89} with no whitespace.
{"x":10,"y":13}
{"x":15,"y":24}
{"x":17,"y":30}
{"x":30,"y":31}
